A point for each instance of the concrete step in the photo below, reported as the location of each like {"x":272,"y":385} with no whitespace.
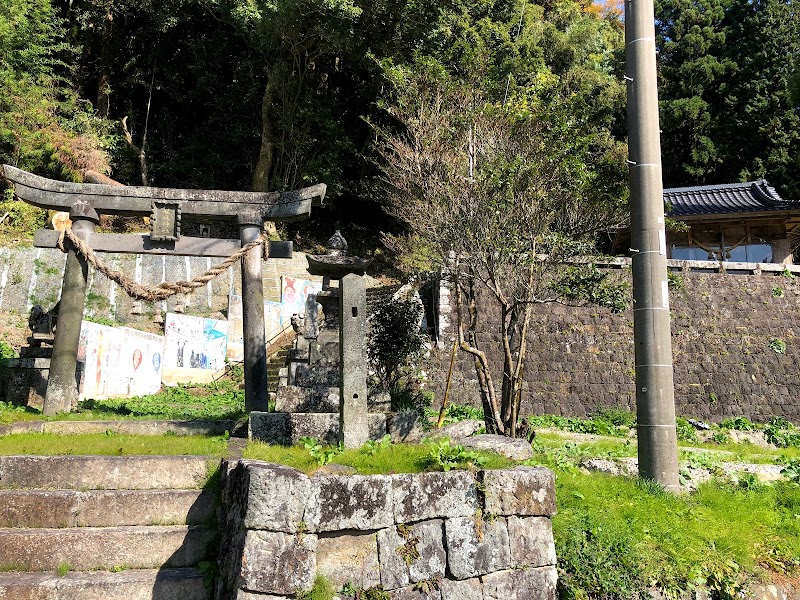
{"x":87,"y":548}
{"x":104,"y":508}
{"x":103,"y":472}
{"x":149,"y":584}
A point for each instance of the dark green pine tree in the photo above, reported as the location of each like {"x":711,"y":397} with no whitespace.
{"x":692,"y":36}
{"x":760,"y":126}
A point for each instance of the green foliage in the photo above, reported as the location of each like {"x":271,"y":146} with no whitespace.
{"x":586,"y":283}
{"x":791,"y":470}
{"x":394,"y":339}
{"x":460,"y":412}
{"x":675,"y":282}
{"x":393,"y":458}
{"x":22,"y":218}
{"x":738,"y":423}
{"x":408,"y":551}
{"x":209,"y":570}
{"x":686,"y":432}
{"x":720,"y":437}
{"x":777,"y":292}
{"x":321,"y":454}
{"x":777,"y":345}
{"x":446,"y":457}
{"x":782,"y":433}
{"x":6,"y":351}
{"x":715,"y":59}
{"x":44,"y":126}
{"x":218,"y":400}
{"x":371,"y":447}
{"x":613,"y":422}
{"x":63,"y":569}
{"x":321,"y":590}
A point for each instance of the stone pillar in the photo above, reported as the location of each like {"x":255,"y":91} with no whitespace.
{"x":254,"y":338}
{"x":353,"y":413}
{"x":62,"y":384}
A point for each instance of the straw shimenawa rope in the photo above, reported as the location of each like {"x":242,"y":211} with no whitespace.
{"x":164,"y":290}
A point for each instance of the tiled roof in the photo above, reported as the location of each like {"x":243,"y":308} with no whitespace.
{"x":753,"y":196}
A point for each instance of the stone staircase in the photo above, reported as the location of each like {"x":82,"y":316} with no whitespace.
{"x":105,"y":527}
{"x":275,"y":363}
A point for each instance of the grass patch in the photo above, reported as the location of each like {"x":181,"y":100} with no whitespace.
{"x":109,"y":444}
{"x":617,"y":536}
{"x":394,"y":458}
{"x":217,"y":400}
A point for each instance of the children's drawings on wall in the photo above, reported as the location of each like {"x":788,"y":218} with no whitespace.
{"x":294,"y":293}
{"x":194,"y":349}
{"x":119,"y":362}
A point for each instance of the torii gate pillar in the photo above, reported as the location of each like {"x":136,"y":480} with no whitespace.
{"x":62,"y":385}
{"x":255,"y":350}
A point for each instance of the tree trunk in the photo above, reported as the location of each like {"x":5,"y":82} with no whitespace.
{"x":104,"y":81}
{"x":494,"y":423}
{"x":263,"y":170}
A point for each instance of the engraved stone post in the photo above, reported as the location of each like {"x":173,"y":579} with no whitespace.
{"x":62,"y":387}
{"x":255,"y":343}
{"x":353,"y":417}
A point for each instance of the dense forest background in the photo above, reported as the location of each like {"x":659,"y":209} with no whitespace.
{"x":277,"y":94}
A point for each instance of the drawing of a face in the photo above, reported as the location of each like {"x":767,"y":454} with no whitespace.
{"x":137,"y":358}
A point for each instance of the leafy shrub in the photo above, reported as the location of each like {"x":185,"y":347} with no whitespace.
{"x":685,"y":430}
{"x":394,"y":339}
{"x":322,"y":454}
{"x":738,"y":423}
{"x":461,"y":412}
{"x":782,"y":433}
{"x":6,"y":351}
{"x":446,"y":457}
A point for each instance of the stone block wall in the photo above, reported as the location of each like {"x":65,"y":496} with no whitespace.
{"x":443,"y":536}
{"x":726,"y":328}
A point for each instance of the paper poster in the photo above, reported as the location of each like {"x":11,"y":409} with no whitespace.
{"x":140,"y":362}
{"x":273,"y":325}
{"x":194,"y":349}
{"x":119,"y":362}
{"x":294,"y":293}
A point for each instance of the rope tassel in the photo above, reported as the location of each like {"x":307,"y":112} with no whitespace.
{"x":166,"y":289}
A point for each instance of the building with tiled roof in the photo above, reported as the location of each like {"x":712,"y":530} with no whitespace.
{"x":737,"y":222}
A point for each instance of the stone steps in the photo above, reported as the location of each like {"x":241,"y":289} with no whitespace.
{"x":88,"y":548}
{"x":104,"y":508}
{"x":121,"y":528}
{"x":139,"y":584}
{"x":103,"y":472}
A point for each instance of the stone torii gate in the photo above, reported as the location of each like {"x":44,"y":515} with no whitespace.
{"x":164,"y":207}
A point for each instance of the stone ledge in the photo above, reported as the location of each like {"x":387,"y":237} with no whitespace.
{"x":287,"y":428}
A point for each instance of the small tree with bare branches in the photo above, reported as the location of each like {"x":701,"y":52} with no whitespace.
{"x":512,"y":193}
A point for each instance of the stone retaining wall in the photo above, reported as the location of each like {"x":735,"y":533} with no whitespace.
{"x":726,"y":327}
{"x":443,"y":536}
{"x":31,"y":276}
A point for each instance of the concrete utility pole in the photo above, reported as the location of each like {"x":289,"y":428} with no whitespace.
{"x":655,"y":394}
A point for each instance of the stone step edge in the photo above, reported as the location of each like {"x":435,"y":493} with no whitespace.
{"x":104,"y":548}
{"x":106,"y":472}
{"x":58,"y":509}
{"x":130,"y":584}
{"x":130,"y":427}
